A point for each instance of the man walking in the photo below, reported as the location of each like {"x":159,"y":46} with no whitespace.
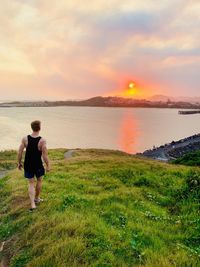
{"x":36,"y":150}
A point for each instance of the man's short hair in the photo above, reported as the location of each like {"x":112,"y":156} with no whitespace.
{"x":36,"y":126}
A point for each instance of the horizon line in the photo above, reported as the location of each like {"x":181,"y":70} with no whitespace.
{"x":82,"y":99}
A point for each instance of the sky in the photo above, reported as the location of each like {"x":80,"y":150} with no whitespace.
{"x":73,"y":49}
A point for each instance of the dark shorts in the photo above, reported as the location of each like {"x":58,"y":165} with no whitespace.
{"x":30,"y":174}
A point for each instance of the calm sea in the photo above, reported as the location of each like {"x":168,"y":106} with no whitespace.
{"x":127,"y":129}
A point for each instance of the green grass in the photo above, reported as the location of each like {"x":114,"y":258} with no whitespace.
{"x":189,"y":159}
{"x":102,"y":208}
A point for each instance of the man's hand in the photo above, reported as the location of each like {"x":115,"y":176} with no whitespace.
{"x":20,"y":152}
{"x":48,"y":169}
{"x":45,"y":155}
{"x":20,"y":166}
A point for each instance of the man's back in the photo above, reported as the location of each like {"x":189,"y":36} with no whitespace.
{"x":33,"y":155}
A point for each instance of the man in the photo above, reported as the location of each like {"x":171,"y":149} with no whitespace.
{"x":36,"y":150}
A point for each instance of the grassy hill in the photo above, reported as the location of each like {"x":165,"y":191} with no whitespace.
{"x":102,"y":208}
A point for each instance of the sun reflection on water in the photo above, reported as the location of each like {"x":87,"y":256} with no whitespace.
{"x":128,"y":134}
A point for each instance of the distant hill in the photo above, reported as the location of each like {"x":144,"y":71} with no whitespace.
{"x":163,"y":98}
{"x":160,"y":98}
{"x":110,"y":101}
{"x":190,"y":99}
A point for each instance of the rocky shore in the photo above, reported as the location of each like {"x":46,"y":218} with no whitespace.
{"x":175,"y":149}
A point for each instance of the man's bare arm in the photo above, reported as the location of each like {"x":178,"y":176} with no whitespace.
{"x":20,"y":153}
{"x":45,"y":155}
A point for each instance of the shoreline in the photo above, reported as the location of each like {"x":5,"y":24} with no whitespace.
{"x":187,"y":110}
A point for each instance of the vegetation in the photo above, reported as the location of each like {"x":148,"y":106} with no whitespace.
{"x":189,"y":159}
{"x":102,"y":208}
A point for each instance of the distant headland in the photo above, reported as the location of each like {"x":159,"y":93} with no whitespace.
{"x":110,"y":101}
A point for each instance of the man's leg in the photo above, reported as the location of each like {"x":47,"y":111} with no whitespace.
{"x":38,"y":188}
{"x":31,"y":191}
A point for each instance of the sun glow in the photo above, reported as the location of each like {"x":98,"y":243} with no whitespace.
{"x":131,"y":89}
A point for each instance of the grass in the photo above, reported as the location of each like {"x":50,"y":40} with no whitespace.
{"x":189,"y":159}
{"x":102,"y":208}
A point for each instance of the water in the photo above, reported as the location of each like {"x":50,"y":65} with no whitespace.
{"x":128,"y":129}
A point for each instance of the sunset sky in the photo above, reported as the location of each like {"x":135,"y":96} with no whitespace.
{"x":77,"y":49}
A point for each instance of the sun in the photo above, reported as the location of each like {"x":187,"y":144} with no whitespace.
{"x":131,"y":88}
{"x":131,"y":85}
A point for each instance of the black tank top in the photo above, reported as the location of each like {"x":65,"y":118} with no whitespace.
{"x":33,"y":160}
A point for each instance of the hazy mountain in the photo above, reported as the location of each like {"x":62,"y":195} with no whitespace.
{"x":160,"y":98}
{"x":190,"y":99}
{"x":163,"y":98}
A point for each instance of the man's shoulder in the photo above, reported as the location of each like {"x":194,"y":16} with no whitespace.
{"x":24,"y":141}
{"x":25,"y":138}
{"x":43,"y":141}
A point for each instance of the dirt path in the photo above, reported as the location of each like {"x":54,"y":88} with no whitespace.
{"x":69,"y":154}
{"x":3,"y":173}
{"x":3,"y":262}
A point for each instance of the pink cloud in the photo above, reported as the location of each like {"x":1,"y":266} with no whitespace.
{"x":72,"y":50}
